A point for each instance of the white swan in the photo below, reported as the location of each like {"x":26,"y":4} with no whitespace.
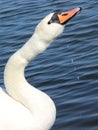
{"x":25,"y":107}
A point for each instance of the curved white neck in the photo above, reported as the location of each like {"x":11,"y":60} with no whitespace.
{"x":40,"y":105}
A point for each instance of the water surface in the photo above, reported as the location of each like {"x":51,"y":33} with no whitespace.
{"x":68,"y":70}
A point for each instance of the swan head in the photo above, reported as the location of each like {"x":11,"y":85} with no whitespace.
{"x":53,"y":25}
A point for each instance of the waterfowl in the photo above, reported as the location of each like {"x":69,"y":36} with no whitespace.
{"x":24,"y":107}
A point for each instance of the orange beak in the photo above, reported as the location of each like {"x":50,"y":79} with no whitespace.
{"x":66,"y":16}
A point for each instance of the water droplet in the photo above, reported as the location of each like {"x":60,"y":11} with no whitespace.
{"x":72,"y":60}
{"x":78,"y":77}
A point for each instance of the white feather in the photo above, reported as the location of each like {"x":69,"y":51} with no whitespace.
{"x":27,"y":108}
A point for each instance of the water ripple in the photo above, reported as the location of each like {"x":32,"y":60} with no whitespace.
{"x":68,"y":70}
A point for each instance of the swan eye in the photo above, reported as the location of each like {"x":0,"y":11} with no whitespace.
{"x":49,"y":22}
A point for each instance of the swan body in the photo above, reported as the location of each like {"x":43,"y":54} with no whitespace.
{"x":25,"y":107}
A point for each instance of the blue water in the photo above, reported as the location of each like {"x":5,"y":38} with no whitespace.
{"x":68,"y":70}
